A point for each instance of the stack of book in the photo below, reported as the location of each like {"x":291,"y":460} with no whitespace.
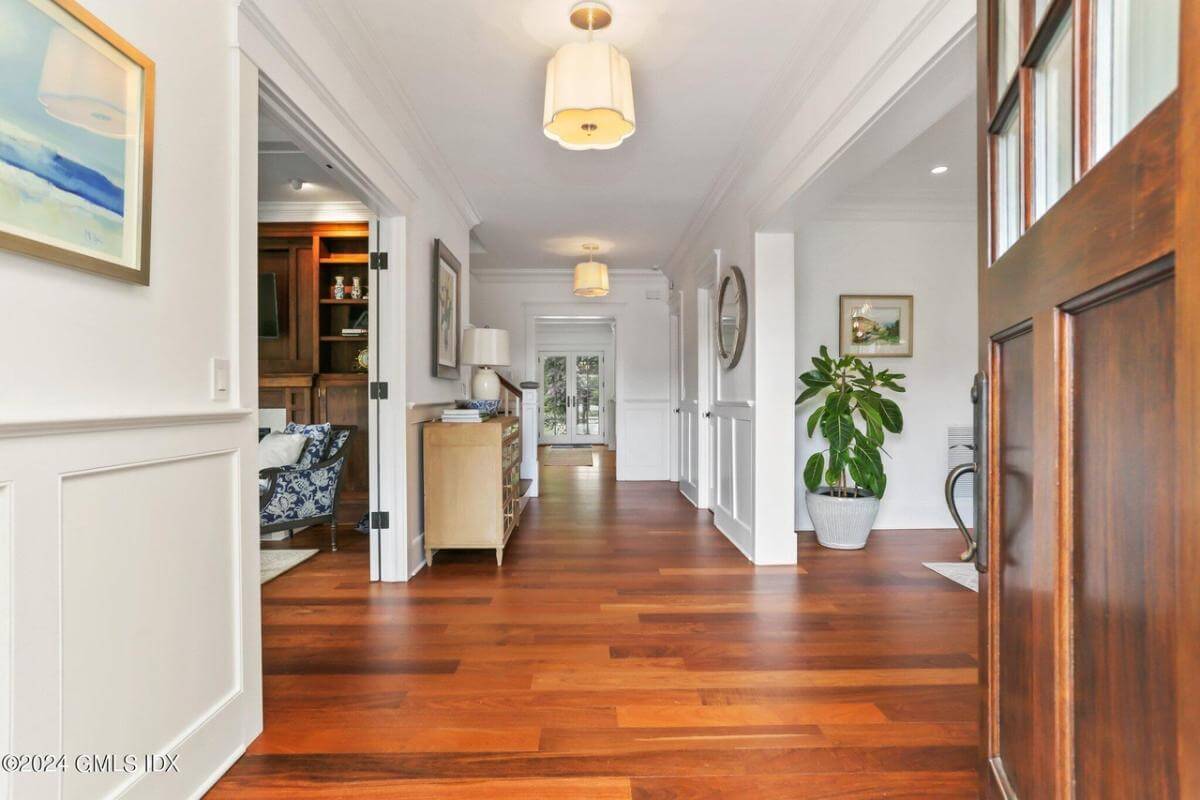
{"x":463,"y":415}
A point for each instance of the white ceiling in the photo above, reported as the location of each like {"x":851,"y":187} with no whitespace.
{"x":473,"y":71}
{"x":280,"y":160}
{"x":905,"y":179}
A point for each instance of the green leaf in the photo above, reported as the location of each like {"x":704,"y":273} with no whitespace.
{"x":881,"y":486}
{"x":814,"y":419}
{"x":893,"y":420}
{"x":869,"y":412}
{"x":875,"y":432}
{"x":824,"y":352}
{"x":813,"y":470}
{"x":838,"y":429}
{"x":838,"y":403}
{"x":856,"y":474}
{"x":809,"y":393}
{"x":815,"y":378}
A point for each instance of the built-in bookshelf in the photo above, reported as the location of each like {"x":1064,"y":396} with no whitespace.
{"x":313,"y":369}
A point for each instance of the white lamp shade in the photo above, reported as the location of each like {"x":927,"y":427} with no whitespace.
{"x":80,"y":86}
{"x":589,"y":97}
{"x":485,"y":347}
{"x":591,"y":279}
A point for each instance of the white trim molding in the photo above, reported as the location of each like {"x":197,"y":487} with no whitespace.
{"x":344,"y":211}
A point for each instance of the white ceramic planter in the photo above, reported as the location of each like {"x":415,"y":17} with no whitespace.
{"x":842,"y":523}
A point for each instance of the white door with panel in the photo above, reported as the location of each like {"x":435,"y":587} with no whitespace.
{"x":573,"y":397}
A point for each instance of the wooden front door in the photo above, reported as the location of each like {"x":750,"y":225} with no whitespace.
{"x":1089,"y":290}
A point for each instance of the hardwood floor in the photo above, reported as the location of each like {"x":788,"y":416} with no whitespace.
{"x":624,"y":650}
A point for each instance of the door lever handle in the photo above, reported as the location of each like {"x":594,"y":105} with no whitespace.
{"x":951,"y":480}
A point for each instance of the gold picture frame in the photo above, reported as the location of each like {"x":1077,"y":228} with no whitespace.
{"x":876,"y":325}
{"x":79,"y":125}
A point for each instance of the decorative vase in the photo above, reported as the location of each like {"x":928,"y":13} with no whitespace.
{"x":356,"y":288}
{"x":339,"y":287}
{"x":842,"y":523}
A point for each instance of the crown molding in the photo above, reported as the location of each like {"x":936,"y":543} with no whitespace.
{"x":342,"y":211}
{"x":283,"y":107}
{"x":790,"y":91}
{"x":390,"y":97}
{"x":561,"y":275}
{"x":793,"y":83}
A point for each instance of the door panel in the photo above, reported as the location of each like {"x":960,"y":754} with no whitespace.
{"x":554,"y":399}
{"x":1124,"y":546}
{"x":587,"y":423}
{"x":1024,"y":572}
{"x":1089,"y":346}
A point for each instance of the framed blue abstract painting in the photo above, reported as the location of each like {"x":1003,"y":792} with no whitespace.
{"x":76,"y":140}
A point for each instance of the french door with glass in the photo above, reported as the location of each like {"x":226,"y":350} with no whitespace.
{"x":572,"y":397}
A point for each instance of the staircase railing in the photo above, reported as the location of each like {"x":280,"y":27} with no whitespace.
{"x":522,"y":402}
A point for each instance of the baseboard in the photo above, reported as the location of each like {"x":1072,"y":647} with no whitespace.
{"x":220,"y":771}
{"x":416,"y":555}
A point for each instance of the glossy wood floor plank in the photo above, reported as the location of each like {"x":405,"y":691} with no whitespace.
{"x":624,"y":650}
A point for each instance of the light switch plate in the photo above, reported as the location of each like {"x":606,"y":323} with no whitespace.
{"x":220,"y":379}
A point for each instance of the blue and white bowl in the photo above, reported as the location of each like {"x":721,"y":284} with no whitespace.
{"x":486,"y":406}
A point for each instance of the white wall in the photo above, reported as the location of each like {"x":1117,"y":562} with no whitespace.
{"x":513,"y":299}
{"x":134,"y":579}
{"x":933,"y":260}
{"x":828,"y":100}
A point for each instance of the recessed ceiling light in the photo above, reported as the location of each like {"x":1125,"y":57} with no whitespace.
{"x":296,"y":184}
{"x":940,"y":169}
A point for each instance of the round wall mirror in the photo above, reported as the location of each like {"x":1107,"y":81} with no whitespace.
{"x":732,"y":315}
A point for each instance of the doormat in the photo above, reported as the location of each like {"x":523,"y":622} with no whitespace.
{"x":570,"y":447}
{"x":568,"y":457}
{"x":961,"y":572}
{"x":273,"y":563}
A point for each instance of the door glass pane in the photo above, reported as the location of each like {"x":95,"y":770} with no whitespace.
{"x":1008,"y":38}
{"x":1136,"y":63}
{"x":1008,"y":183}
{"x":587,"y":394}
{"x":1053,"y":127}
{"x":554,"y":396}
{"x":1039,"y":8}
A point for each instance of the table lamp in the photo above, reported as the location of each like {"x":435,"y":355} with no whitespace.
{"x":485,"y":348}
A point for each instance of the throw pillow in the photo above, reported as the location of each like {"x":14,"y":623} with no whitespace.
{"x":318,"y":441}
{"x":280,"y":449}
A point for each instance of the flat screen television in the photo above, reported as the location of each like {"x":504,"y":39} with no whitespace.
{"x":268,"y":307}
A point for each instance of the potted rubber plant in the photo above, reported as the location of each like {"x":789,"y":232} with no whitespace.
{"x":846,"y":480}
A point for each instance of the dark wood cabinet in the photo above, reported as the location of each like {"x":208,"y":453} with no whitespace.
{"x":342,"y":400}
{"x":312,"y":369}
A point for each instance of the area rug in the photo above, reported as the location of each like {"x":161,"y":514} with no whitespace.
{"x":273,"y":563}
{"x":962,"y":573}
{"x":568,"y":457}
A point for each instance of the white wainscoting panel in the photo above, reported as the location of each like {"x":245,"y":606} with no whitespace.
{"x":6,"y":624}
{"x":643,"y":439}
{"x":135,"y":623}
{"x":689,"y":464}
{"x":733,"y":504}
{"x":180,"y":518}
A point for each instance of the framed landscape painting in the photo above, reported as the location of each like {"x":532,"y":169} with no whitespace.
{"x":877,"y":325}
{"x":447,"y":297}
{"x":76,"y":140}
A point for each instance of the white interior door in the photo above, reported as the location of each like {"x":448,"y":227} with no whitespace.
{"x":573,"y":408}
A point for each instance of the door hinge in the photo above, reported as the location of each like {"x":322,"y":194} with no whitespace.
{"x":379,"y":260}
{"x":380,"y":520}
{"x":377,"y":390}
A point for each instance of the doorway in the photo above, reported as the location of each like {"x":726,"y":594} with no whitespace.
{"x":574,"y":392}
{"x":318,"y":322}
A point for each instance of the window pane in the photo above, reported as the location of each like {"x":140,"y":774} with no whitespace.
{"x":1053,"y":126}
{"x":1136,"y":63}
{"x":1039,"y":8}
{"x":554,"y":396}
{"x":1008,"y":183}
{"x":1008,"y":37}
{"x":587,"y":394}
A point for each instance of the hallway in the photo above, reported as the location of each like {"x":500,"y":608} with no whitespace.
{"x":624,"y":650}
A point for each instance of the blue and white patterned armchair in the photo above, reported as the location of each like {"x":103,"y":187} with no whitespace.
{"x":303,"y":494}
